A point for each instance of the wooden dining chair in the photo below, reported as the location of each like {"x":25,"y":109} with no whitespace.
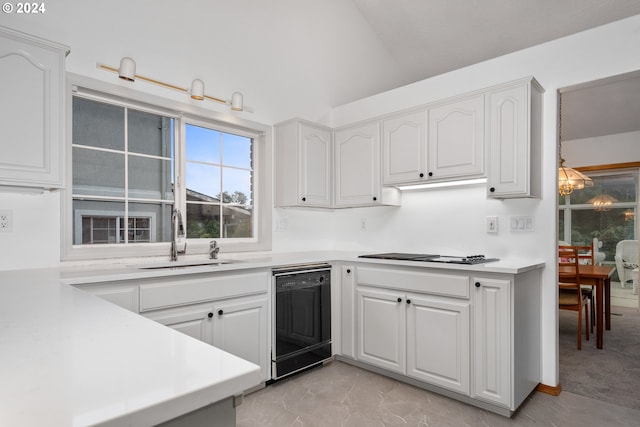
{"x":570,"y":295}
{"x":586,"y":257}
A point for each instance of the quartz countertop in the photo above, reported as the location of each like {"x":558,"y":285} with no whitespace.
{"x":85,"y":274}
{"x":68,"y":358}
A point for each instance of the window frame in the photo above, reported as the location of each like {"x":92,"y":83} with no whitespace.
{"x":182,"y":113}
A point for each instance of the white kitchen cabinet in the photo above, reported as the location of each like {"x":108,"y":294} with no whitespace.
{"x":303,"y":170}
{"x":357,"y":168}
{"x":456,"y":139}
{"x":416,"y":323}
{"x":32,"y":111}
{"x":382,"y":329}
{"x":404,"y":147}
{"x":506,"y":337}
{"x":514,"y":133}
{"x":438,"y":339}
{"x":240,"y":327}
{"x":347,"y":303}
{"x":194,"y":320}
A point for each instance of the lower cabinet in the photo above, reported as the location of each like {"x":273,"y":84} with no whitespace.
{"x":478,"y":336}
{"x":423,"y":337}
{"x":240,"y":327}
{"x":237,"y":325}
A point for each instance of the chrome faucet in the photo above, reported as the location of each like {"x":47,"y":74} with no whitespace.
{"x":177,"y":233}
{"x":214,"y":249}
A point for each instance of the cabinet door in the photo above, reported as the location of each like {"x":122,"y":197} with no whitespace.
{"x":404,"y":148}
{"x":314,"y":166}
{"x":31,"y":111}
{"x":492,"y":341}
{"x":382,"y":329}
{"x":195,"y":321}
{"x":438,"y":342}
{"x":456,"y":139}
{"x":515,"y":117}
{"x":358,"y":165}
{"x":240,"y":328}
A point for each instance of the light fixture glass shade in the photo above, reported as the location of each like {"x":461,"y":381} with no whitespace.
{"x":602,"y":202}
{"x":127,"y":70}
{"x":236,"y":101}
{"x":570,"y":179}
{"x":197,"y":89}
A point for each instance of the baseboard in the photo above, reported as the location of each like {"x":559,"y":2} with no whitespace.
{"x":548,"y":389}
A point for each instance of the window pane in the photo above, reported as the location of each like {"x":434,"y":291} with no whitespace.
{"x":237,"y":186}
{"x":97,"y":124}
{"x":149,"y":133}
{"x":96,"y":221}
{"x":622,"y":187}
{"x":149,"y":222}
{"x":203,"y":182}
{"x":609,"y":227}
{"x":98,"y":173}
{"x":202,"y":144}
{"x":236,"y":150}
{"x":203,"y":221}
{"x":150,"y":178}
{"x":237,"y":221}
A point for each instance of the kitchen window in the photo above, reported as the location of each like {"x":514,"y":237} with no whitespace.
{"x":133,"y":163}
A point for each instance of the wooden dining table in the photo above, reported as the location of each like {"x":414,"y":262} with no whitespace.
{"x":600,"y":277}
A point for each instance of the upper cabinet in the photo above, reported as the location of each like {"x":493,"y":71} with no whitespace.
{"x":514,"y":127}
{"x":456,"y":139}
{"x":357,"y":167}
{"x":493,"y":133}
{"x":32,"y":111}
{"x":303,"y":170}
{"x":442,"y":142}
{"x":404,"y":147}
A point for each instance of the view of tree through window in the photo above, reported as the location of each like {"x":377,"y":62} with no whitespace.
{"x":582,"y":218}
{"x":219,"y":183}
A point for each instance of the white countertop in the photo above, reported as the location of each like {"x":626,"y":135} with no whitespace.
{"x":68,"y":358}
{"x":85,"y":274}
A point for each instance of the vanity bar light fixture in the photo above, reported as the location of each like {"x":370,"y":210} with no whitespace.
{"x":127,"y":71}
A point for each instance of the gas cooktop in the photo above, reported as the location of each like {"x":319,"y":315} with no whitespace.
{"x":470,"y":259}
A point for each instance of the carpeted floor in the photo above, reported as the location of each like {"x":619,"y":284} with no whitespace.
{"x":611,"y":374}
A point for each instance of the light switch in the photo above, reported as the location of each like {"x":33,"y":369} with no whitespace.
{"x":518,"y":224}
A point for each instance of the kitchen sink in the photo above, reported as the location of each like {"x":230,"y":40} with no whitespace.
{"x":184,"y":264}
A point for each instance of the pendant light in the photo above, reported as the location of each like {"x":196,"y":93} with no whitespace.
{"x":602,"y":203}
{"x":569,"y":179}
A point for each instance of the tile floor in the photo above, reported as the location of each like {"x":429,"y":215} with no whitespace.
{"x":342,"y":395}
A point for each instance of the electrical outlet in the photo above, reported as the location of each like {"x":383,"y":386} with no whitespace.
{"x":492,"y":224}
{"x":6,"y":221}
{"x":363,"y":224}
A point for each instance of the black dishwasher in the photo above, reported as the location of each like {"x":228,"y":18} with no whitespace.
{"x":302,"y":318}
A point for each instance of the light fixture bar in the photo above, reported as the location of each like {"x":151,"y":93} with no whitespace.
{"x":442,"y":184}
{"x":167,"y":85}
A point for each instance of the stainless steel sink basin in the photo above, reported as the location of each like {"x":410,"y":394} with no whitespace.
{"x":184,"y":264}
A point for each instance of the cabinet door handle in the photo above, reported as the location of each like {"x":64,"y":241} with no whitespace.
{"x":477,"y":284}
{"x":421,"y":175}
{"x":375,"y":198}
{"x":348,"y":271}
{"x":399,"y":299}
{"x":492,"y":189}
{"x":408,"y":301}
{"x":210,"y":315}
{"x":430,"y":173}
{"x":304,"y":199}
{"x":220,"y":312}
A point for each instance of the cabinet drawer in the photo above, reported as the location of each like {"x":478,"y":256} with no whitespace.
{"x":189,"y":290}
{"x":447,"y":284}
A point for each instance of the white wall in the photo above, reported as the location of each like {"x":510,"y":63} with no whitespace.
{"x":453,"y":220}
{"x":603,"y":150}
